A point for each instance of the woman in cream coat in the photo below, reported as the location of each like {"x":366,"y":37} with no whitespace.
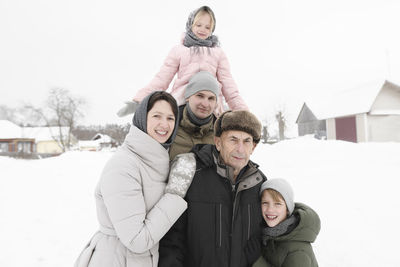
{"x":135,"y":206}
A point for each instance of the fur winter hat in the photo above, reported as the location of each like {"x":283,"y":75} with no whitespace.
{"x":284,"y":188}
{"x":202,"y":81}
{"x":238,"y":120}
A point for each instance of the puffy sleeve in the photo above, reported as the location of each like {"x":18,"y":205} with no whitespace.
{"x":164,"y":76}
{"x":137,"y":229}
{"x":229,"y":88}
{"x":298,"y":258}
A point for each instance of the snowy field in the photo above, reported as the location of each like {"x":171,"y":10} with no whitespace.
{"x":48,"y":214}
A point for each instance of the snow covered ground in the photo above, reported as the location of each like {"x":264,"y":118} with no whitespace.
{"x":47,"y":211}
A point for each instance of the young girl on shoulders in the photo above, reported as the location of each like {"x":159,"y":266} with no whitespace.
{"x":198,"y":51}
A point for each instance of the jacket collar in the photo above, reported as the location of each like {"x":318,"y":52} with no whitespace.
{"x":147,"y":149}
{"x":192,"y":129}
{"x":248,"y":177}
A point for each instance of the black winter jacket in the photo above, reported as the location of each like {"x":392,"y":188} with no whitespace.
{"x":220,"y":218}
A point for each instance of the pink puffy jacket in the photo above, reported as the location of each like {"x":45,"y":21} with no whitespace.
{"x":185,"y":62}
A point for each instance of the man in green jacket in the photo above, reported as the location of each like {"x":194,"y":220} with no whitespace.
{"x":196,"y":124}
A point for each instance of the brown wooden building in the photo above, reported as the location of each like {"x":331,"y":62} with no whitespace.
{"x":11,"y":140}
{"x":24,"y":145}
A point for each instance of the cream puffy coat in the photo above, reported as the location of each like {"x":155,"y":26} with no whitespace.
{"x":185,"y":62}
{"x":132,"y":209}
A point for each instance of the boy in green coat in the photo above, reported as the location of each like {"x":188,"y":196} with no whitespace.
{"x":289,"y":228}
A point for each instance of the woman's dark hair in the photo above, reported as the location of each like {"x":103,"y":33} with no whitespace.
{"x":162,"y":95}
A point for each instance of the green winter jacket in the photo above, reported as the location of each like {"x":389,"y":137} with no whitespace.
{"x":293,"y":249}
{"x":189,"y":134}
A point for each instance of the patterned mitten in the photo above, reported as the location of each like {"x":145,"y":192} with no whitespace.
{"x":181,"y":174}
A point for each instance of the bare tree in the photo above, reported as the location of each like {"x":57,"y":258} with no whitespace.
{"x":265,"y":134}
{"x":31,"y":116}
{"x":115,"y":131}
{"x":7,"y":113}
{"x":267,"y":125}
{"x":61,"y":110}
{"x":281,"y":118}
{"x":67,"y":110}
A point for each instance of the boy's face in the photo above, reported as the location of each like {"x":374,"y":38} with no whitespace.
{"x":274,"y":212}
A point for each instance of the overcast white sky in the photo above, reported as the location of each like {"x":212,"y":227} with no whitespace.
{"x":281,"y":52}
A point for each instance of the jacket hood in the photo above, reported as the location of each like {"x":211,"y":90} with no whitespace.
{"x":151,"y":152}
{"x":308,"y":228}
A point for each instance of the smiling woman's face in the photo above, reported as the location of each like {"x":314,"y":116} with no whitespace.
{"x":160,"y":121}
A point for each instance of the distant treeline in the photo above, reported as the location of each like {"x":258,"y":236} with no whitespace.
{"x":116,"y":131}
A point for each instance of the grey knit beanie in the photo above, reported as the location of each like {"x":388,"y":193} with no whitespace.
{"x":284,"y":188}
{"x":202,"y":81}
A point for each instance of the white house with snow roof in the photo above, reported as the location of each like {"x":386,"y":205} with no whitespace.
{"x":98,"y":142}
{"x":40,"y":140}
{"x":12,"y":140}
{"x":367,"y":113}
{"x":48,"y":138}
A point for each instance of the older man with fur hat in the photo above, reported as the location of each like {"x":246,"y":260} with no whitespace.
{"x":223,"y":204}
{"x":196,"y":124}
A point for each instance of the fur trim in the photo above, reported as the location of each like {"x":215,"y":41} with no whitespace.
{"x":238,"y":120}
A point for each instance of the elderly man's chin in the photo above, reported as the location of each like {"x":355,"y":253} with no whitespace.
{"x":237,"y":163}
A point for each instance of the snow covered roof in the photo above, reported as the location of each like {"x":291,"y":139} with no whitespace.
{"x":385,"y":112}
{"x":347,"y":102}
{"x":9,"y":130}
{"x":103,"y":138}
{"x":88,"y":143}
{"x":44,"y":133}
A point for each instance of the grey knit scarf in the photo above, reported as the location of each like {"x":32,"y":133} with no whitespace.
{"x":191,"y":40}
{"x":284,"y":227}
{"x":194,"y":119}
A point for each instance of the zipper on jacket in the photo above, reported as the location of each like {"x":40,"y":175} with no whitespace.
{"x":234,"y":196}
{"x":220,"y":225}
{"x":249,"y":223}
